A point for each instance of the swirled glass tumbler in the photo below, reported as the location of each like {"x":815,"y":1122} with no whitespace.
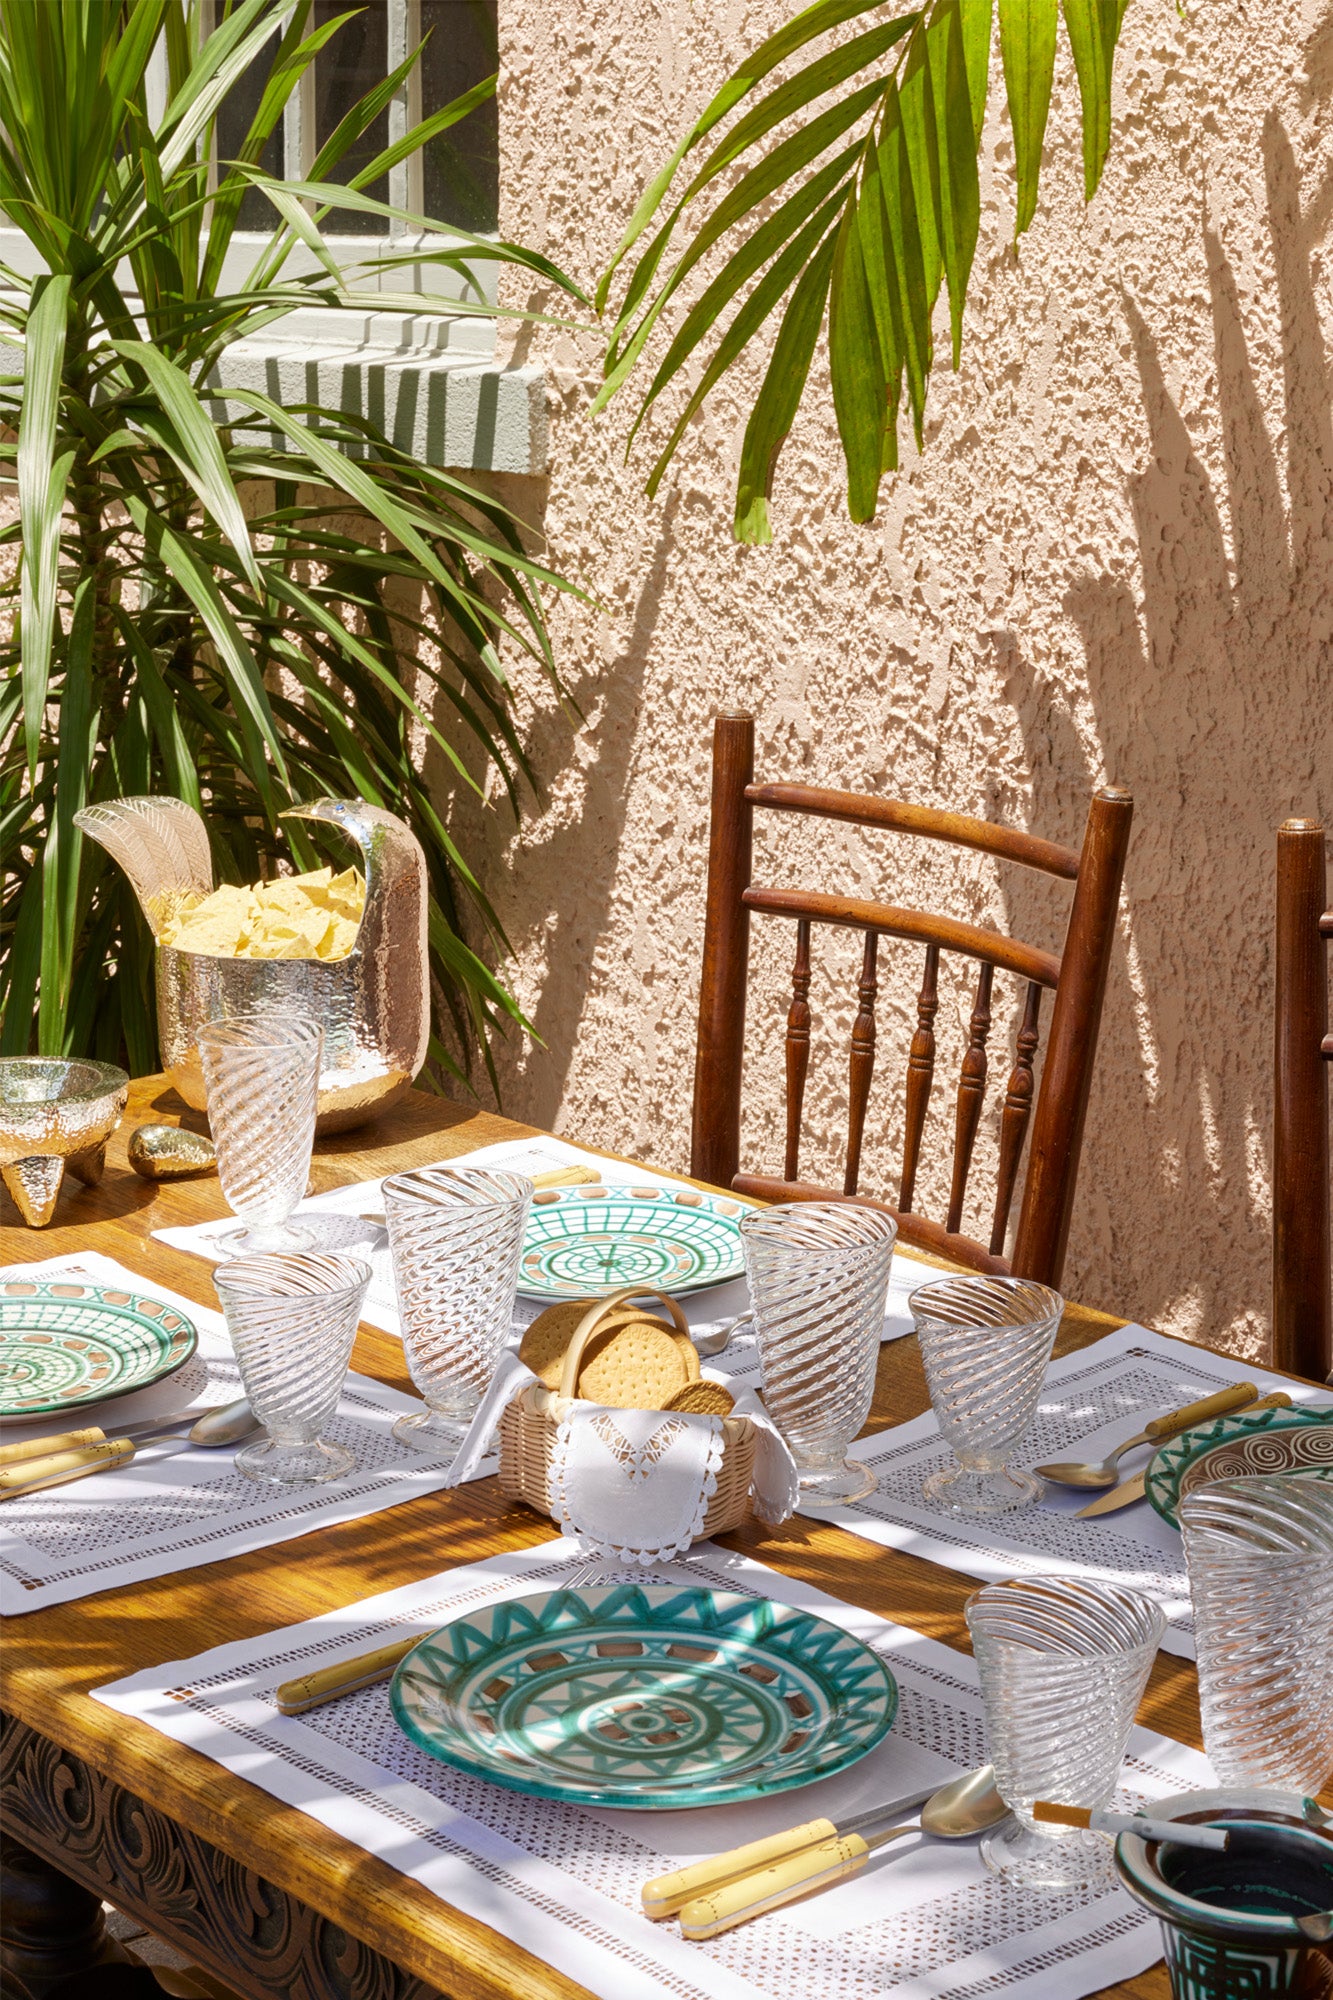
{"x":985,"y":1343}
{"x":1260,"y":1558}
{"x":292,"y":1321}
{"x":261,"y":1073}
{"x":1063,"y":1664}
{"x":455,"y":1236}
{"x":818,"y":1273}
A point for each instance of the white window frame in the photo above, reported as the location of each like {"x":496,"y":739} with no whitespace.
{"x":431,"y":381}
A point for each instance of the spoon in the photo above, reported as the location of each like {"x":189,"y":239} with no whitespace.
{"x":966,"y":1806}
{"x":227,"y":1424}
{"x":1082,"y":1473}
{"x":713,"y":1343}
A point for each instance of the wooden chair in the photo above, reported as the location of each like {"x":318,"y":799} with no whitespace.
{"x":1302,"y":1048}
{"x":1077,"y":978}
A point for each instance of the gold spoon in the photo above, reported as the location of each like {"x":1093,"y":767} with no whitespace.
{"x":1079,"y":1473}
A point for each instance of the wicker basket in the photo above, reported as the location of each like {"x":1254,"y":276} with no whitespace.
{"x":528,"y":1428}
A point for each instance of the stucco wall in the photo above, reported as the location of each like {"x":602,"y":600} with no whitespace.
{"x":1112,"y":563}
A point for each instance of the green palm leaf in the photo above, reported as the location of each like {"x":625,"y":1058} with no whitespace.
{"x":903,"y":102}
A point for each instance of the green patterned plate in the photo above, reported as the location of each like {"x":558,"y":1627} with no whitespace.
{"x":644,"y":1695}
{"x":65,"y":1345}
{"x":1263,"y":1441}
{"x":581,"y":1241}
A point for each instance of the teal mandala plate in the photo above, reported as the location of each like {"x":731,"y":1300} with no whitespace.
{"x":65,"y":1345}
{"x":1240,"y":1447}
{"x":581,"y":1241}
{"x":644,"y":1696}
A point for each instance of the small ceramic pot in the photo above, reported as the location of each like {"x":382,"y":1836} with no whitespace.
{"x":1230,"y":1921}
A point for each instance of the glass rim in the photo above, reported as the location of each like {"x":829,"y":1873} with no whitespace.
{"x":414,"y":1185}
{"x":757,"y":1221}
{"x":254,"y":1275}
{"x":260,"y":1028}
{"x":1072,"y":1594}
{"x":996,"y":1282}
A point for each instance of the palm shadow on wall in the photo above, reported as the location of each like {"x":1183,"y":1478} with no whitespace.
{"x":576,"y":860}
{"x":1211,"y":707}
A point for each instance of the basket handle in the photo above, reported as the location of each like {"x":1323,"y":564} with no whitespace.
{"x":593,"y":1318}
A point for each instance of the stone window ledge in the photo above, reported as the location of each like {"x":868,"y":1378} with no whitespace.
{"x":433,"y":386}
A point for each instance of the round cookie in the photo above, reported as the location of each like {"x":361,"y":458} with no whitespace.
{"x":702,"y":1399}
{"x":636,"y":1368}
{"x":546,"y":1342}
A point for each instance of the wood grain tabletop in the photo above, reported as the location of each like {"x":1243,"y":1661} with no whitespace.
{"x":52,"y":1658}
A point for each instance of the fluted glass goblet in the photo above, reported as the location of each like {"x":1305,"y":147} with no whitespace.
{"x":818,"y":1273}
{"x":985,"y":1343}
{"x":1063,"y":1664}
{"x":1260,"y":1558}
{"x":455,"y":1238}
{"x":261,"y":1075}
{"x":292,"y":1320}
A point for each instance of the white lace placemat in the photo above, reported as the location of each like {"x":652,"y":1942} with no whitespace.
{"x":924,"y":1921}
{"x":339,"y":1220}
{"x":162,"y":1514}
{"x":1089,"y":1403}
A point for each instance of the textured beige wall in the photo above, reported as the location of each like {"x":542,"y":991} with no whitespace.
{"x":1112,"y":563}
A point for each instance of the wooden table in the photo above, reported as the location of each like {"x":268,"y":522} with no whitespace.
{"x":253,"y":1891}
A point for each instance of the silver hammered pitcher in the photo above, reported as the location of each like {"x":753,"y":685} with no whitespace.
{"x":373,"y":1005}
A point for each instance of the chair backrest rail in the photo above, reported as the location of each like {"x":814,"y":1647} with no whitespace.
{"x":927,"y":822}
{"x":850,"y":913}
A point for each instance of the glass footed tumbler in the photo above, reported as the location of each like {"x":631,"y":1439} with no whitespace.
{"x":292,"y":1320}
{"x":1063,"y":1664}
{"x":985,"y":1343}
{"x":455,"y":1237}
{"x":261,"y":1075}
{"x":1260,"y":1557}
{"x":818,"y":1274}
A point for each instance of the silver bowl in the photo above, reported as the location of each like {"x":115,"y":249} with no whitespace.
{"x":55,"y":1115}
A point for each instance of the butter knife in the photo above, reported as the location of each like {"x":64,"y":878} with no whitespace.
{"x":1130,"y":1490}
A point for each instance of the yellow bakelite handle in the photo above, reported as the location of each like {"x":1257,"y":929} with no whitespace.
{"x":313,"y":1690}
{"x":786,"y":1881}
{"x":60,"y":1467}
{"x":666,"y":1894}
{"x":16,"y":1454}
{"x":1201,"y":1412}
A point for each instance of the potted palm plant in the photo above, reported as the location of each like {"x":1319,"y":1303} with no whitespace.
{"x":218,"y":596}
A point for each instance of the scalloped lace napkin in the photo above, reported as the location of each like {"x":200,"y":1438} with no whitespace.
{"x":635,"y":1484}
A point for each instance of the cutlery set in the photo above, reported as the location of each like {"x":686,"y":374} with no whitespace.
{"x":57,"y":1461}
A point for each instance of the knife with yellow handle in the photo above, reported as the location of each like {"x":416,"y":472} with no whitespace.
{"x":363,"y":1670}
{"x":785,"y":1881}
{"x":58,"y":1468}
{"x":1130,"y":1490}
{"x":666,"y":1894}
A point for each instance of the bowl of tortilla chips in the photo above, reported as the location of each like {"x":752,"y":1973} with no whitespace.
{"x":346,"y":946}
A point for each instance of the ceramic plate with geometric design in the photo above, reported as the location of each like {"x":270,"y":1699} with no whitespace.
{"x":584,"y":1240}
{"x":1239,"y":1447}
{"x":64,"y":1345}
{"x":644,"y":1696}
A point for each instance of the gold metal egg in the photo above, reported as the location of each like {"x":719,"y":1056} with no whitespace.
{"x":171,"y":1153}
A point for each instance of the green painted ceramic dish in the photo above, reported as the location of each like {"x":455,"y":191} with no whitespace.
{"x":1260,"y":1442}
{"x":65,"y":1345}
{"x":581,"y":1241}
{"x":644,"y":1696}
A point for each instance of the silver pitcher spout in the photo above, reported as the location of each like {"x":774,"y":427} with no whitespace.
{"x":373,"y":1005}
